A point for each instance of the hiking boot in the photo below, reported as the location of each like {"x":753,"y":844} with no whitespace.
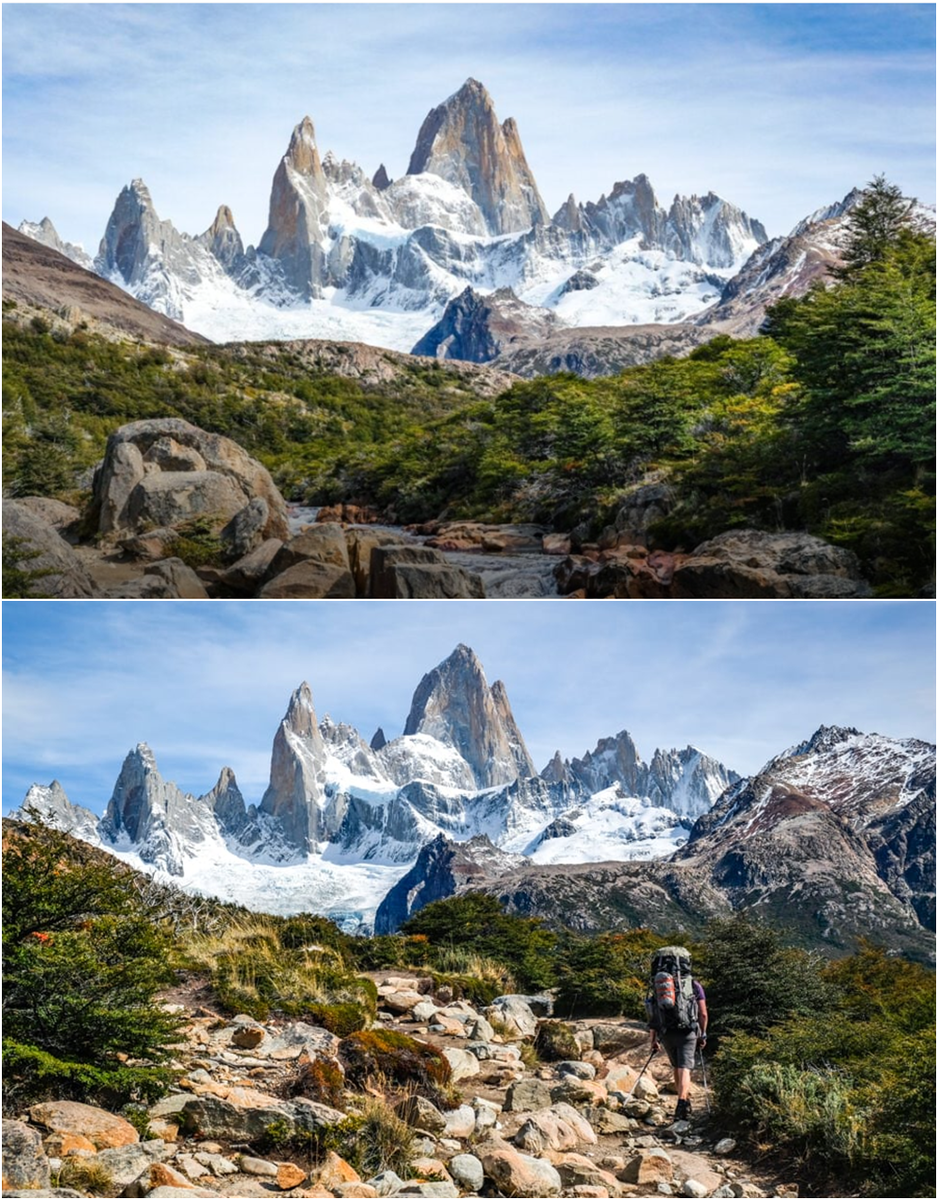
{"x":682,"y":1112}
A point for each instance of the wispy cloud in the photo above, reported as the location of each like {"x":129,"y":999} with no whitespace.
{"x":207,"y":685}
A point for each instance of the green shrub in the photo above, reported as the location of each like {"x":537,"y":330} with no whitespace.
{"x":847,"y":1089}
{"x":379,"y":1055}
{"x":474,"y":924}
{"x":197,"y":543}
{"x":20,"y":581}
{"x":555,"y":1042}
{"x":605,"y":975}
{"x":83,"y":960}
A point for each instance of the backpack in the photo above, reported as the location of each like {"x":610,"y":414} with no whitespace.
{"x":670,"y":1003}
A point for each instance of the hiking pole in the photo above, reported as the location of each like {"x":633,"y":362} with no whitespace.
{"x":703,"y":1067}
{"x":640,"y":1074}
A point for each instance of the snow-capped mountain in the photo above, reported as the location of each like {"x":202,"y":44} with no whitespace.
{"x":348,"y":255}
{"x":342,"y":819}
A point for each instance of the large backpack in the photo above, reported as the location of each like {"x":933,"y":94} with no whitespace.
{"x":670,"y":1003}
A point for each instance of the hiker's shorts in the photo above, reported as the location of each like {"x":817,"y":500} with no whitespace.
{"x":681,"y":1046}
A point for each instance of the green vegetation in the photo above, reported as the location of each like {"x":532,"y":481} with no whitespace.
{"x":83,"y":959}
{"x":848,"y":1089}
{"x":476,"y":924}
{"x":385,"y":1056}
{"x":19,"y":579}
{"x":260,"y":964}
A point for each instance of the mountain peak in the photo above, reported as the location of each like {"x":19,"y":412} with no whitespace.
{"x":455,"y":704}
{"x":302,"y":153}
{"x":462,"y":141}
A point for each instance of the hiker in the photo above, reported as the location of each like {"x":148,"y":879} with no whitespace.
{"x":677,"y":1018}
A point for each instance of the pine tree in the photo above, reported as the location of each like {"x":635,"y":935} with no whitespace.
{"x":874,"y":225}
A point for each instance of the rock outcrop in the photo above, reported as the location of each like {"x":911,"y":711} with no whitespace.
{"x":166,"y":471}
{"x":454,"y":704}
{"x":462,"y":141}
{"x":295,"y":794}
{"x":298,"y":203}
{"x":60,"y":572}
{"x":476,"y":328}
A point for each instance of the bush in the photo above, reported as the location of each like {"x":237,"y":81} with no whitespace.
{"x":319,"y":1080}
{"x":605,"y":975}
{"x":197,"y":543}
{"x":253,"y":971}
{"x":475,"y":924}
{"x":555,"y":1042}
{"x":383,"y":1055}
{"x":90,"y":1178}
{"x":848,"y":1089}
{"x":83,"y":960}
{"x":375,"y":1139}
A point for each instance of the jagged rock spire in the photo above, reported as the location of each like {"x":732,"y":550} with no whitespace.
{"x":298,"y":204}
{"x":462,"y":141}
{"x":455,"y":704}
{"x":296,"y":793}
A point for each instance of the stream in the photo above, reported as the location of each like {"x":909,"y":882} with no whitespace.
{"x":506,"y":575}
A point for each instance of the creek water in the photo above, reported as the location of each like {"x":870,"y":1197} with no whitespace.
{"x":511,"y":575}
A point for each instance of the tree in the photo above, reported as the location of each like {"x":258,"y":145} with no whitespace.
{"x":82,"y":963}
{"x":873,"y":225}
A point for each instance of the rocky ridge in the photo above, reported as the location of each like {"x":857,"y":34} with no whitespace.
{"x":586,"y":1126}
{"x":467,"y":213}
{"x":460,"y":769}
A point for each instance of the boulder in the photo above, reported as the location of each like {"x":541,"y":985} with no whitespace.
{"x":611,"y":1040}
{"x":516,"y":1174}
{"x":460,"y":1122}
{"x":309,"y":580}
{"x":166,"y":471}
{"x":546,"y":1130}
{"x":576,"y":1170}
{"x":577,"y":1068}
{"x":291,"y":1040}
{"x":126,"y":1163}
{"x":53,"y":513}
{"x":751,"y":564}
{"x":463,"y":1065}
{"x":572,"y":1090}
{"x":432,"y":1187}
{"x":467,"y":1172}
{"x":527,"y":1095}
{"x":246,"y":529}
{"x":420,"y":1113}
{"x":243,"y":1115}
{"x":67,"y":578}
{"x":387,"y":1183}
{"x":335,"y":1171}
{"x":102,"y":1128}
{"x":315,"y":543}
{"x":418,"y":573}
{"x":515,"y":1014}
{"x":149,"y":546}
{"x":247,"y":573}
{"x":403,"y":1001}
{"x":169,"y":579}
{"x":360,"y":543}
{"x":25,"y":1164}
{"x":648,"y":1166}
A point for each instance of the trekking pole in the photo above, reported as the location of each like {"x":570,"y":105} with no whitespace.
{"x":640,"y":1074}
{"x":703,"y":1067}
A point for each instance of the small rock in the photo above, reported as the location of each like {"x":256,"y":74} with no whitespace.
{"x":336,"y":1172}
{"x":725,"y":1146}
{"x":691,"y":1187}
{"x":289,"y":1175}
{"x":258,"y":1166}
{"x":467,"y":1172}
{"x":388,"y":1183}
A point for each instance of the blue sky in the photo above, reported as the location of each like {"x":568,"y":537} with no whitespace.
{"x":781,"y":108}
{"x":206,"y":685}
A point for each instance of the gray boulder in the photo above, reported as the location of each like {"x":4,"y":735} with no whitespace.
{"x":24,"y":1161}
{"x":418,"y":573}
{"x":166,"y":471}
{"x":67,"y":578}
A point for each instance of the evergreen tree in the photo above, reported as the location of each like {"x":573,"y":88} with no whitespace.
{"x":873,"y":225}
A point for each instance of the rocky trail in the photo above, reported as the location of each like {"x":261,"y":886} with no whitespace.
{"x":514,"y":1125}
